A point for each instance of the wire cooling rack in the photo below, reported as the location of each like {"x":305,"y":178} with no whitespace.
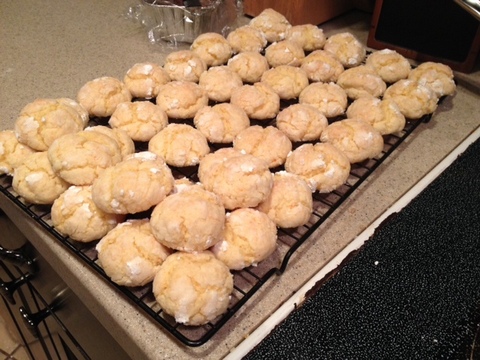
{"x":247,"y":281}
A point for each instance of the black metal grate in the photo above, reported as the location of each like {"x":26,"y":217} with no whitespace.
{"x":247,"y":281}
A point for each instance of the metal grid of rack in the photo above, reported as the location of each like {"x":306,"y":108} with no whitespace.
{"x":247,"y":281}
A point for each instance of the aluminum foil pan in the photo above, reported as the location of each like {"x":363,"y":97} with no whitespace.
{"x":181,"y":21}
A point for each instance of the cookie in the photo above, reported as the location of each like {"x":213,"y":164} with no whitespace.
{"x":357,"y":139}
{"x":308,"y":36}
{"x":249,"y":65}
{"x":141,"y":120}
{"x":240,"y":180}
{"x":189,"y":220}
{"x":250,"y":237}
{"x":44,"y":120}
{"x":247,"y":38}
{"x":212,"y":48}
{"x":125,"y":143}
{"x":437,"y":76}
{"x":219,"y":82}
{"x":284,"y":52}
{"x":78,"y":109}
{"x":184,"y":65}
{"x":214,"y":159}
{"x":323,"y":166}
{"x":80,"y":157}
{"x":181,"y":99}
{"x":133,"y":185}
{"x":413,"y":98}
{"x":266,"y":143}
{"x":329,"y":98}
{"x":286,"y":80}
{"x":301,"y":122}
{"x":143,"y":80}
{"x":290,"y":203}
{"x":221,"y":123}
{"x":182,"y":184}
{"x":74,"y":214}
{"x":259,"y":101}
{"x":322,"y":66}
{"x":101,"y":96}
{"x":180,"y":145}
{"x":194,"y":288}
{"x":346,"y":48}
{"x":130,"y":255}
{"x":383,"y":115}
{"x":12,"y":153}
{"x":36,"y":182}
{"x":389,"y":64}
{"x":361,"y":81}
{"x":273,"y":24}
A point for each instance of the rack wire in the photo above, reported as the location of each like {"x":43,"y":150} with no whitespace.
{"x":247,"y":281}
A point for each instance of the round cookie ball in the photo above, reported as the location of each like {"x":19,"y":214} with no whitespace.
{"x":44,"y":120}
{"x":125,"y":143}
{"x":130,"y":255}
{"x":321,"y":165}
{"x":284,"y":52}
{"x":383,"y":115}
{"x":361,"y":81}
{"x":101,"y":96}
{"x":184,"y":65}
{"x":183,"y":184}
{"x":389,"y":64}
{"x":133,"y":185}
{"x":259,"y":101}
{"x":144,"y":79}
{"x":181,"y":99}
{"x":329,"y":98}
{"x":180,"y":145}
{"x":12,"y":153}
{"x":189,"y":220}
{"x":74,"y":214}
{"x":219,"y":82}
{"x":35,"y":180}
{"x":287,"y":81}
{"x":77,"y":108}
{"x":301,"y":122}
{"x":273,"y":24}
{"x":346,"y":48}
{"x":414,"y":99}
{"x":266,"y":143}
{"x":290,"y":203}
{"x":357,"y":139}
{"x":250,"y":236}
{"x":141,"y":120}
{"x":194,"y":288}
{"x":437,"y":76}
{"x":220,"y":123}
{"x":79,"y":158}
{"x":247,"y":38}
{"x":212,"y":48}
{"x":214,"y":159}
{"x":249,"y":65}
{"x":240,"y":180}
{"x":308,"y":36}
{"x":322,"y":66}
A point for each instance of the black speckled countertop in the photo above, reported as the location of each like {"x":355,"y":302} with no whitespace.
{"x":411,"y":292}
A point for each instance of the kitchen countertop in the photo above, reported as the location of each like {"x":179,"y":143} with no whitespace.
{"x":50,"y":49}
